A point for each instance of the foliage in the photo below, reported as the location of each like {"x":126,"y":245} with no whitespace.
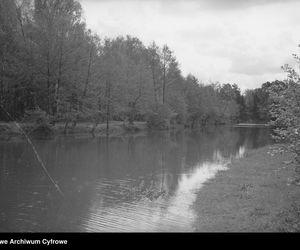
{"x":159,"y":117}
{"x":36,"y":116}
{"x":257,"y":103}
{"x":285,"y":110}
{"x":41,"y":123}
{"x":50,"y":60}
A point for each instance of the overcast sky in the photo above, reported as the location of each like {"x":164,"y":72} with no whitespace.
{"x":236,"y":41}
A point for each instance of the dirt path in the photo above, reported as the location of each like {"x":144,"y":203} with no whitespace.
{"x":257,"y":193}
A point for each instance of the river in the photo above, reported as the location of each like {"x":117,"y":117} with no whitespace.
{"x":136,"y":183}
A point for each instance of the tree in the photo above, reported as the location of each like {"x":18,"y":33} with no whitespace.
{"x":228,"y":95}
{"x":167,"y":59}
{"x":52,"y":64}
{"x":257,"y":103}
{"x":285,"y":109}
{"x":155,"y":66}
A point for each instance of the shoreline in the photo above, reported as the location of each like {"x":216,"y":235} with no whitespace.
{"x":8,"y":130}
{"x":256,"y":194}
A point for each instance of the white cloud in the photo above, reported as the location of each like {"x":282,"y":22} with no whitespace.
{"x":243,"y":43}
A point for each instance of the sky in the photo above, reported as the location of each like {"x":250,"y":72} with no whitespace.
{"x":230,"y":41}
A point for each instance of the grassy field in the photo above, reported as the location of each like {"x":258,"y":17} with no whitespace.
{"x":259,"y":193}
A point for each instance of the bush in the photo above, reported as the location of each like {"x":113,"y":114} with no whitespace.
{"x":159,"y":117}
{"x":37,"y":116}
{"x":42,"y":131}
{"x":41,"y":123}
{"x":285,"y":113}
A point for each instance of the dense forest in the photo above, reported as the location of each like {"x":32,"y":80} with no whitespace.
{"x":53,"y":65}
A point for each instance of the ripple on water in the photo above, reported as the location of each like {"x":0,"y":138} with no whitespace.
{"x":167,"y":213}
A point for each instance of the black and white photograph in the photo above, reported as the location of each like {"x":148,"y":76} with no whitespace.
{"x":149,"y":116}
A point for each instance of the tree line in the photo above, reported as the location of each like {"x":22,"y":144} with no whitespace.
{"x":52,"y":64}
{"x":278,"y":103}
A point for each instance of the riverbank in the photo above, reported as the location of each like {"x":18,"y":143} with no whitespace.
{"x":9,"y":130}
{"x":258,"y":193}
{"x":251,"y":125}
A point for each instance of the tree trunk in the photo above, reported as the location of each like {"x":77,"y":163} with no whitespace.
{"x":58,"y":83}
{"x":2,"y":82}
{"x":107,"y":105}
{"x":74,"y":123}
{"x":88,"y":72}
{"x":19,"y":17}
{"x":154,"y":83}
{"x":48,"y":84}
{"x":94,"y":127}
{"x":66,"y":126}
{"x":131,"y":114}
{"x":164,"y":83}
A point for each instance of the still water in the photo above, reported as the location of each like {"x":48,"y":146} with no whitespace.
{"x":145,"y":182}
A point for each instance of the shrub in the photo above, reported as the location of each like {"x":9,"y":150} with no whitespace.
{"x":41,"y":123}
{"x":285,"y":111}
{"x":37,"y":116}
{"x":159,"y":117}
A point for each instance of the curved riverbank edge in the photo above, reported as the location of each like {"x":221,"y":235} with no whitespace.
{"x":258,"y":193}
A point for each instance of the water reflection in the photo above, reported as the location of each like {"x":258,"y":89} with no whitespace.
{"x":165,"y":212}
{"x":132,"y":183}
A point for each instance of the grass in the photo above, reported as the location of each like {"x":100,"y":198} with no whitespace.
{"x":256,"y":194}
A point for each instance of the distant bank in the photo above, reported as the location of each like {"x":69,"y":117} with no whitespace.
{"x":9,"y":130}
{"x":251,"y":125}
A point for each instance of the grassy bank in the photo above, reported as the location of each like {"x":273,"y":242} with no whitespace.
{"x":10,"y":130}
{"x":258,"y":193}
